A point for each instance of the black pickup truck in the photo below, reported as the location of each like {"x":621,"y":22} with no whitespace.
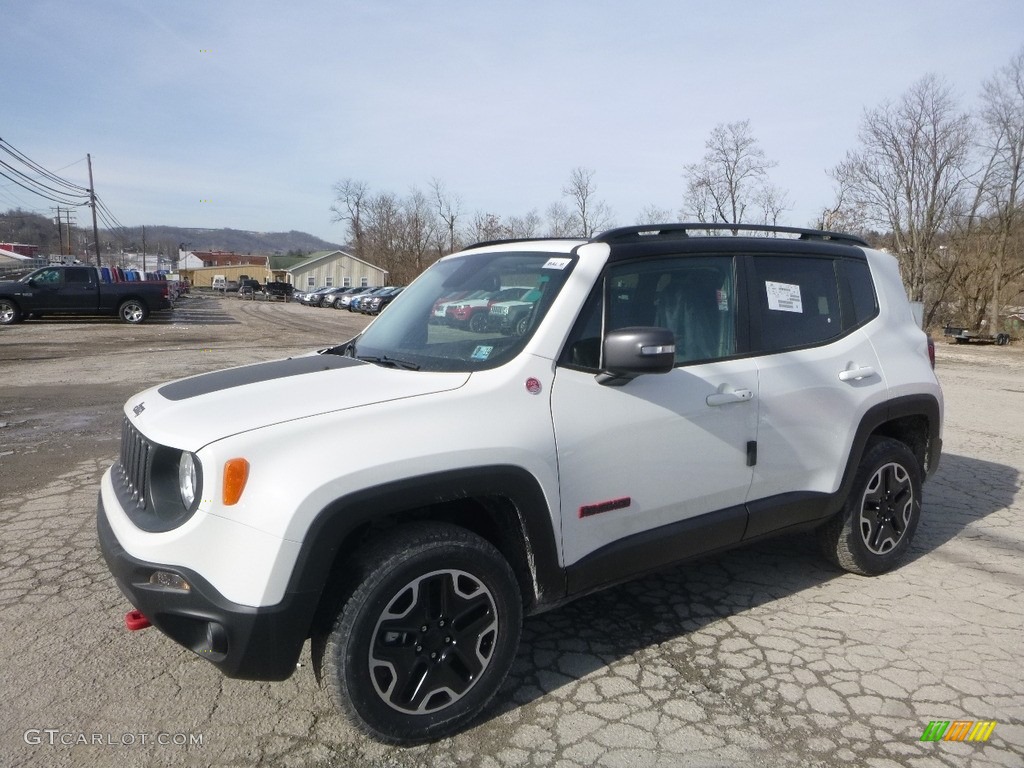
{"x":79,"y":290}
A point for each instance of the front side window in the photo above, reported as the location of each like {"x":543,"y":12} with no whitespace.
{"x":48,"y":277}
{"x":694,"y":297}
{"x":467,"y":312}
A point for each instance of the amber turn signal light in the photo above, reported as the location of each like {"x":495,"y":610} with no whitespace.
{"x":236,"y":473}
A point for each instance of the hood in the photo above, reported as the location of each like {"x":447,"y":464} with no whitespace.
{"x":193,"y":412}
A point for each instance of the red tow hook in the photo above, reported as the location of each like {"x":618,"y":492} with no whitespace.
{"x":134,"y":620}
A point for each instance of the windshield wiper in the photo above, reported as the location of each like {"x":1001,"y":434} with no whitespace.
{"x":390,"y":362}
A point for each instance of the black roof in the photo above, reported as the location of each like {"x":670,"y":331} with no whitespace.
{"x":655,"y":238}
{"x":647,"y":232}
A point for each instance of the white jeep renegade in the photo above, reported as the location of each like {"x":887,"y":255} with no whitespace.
{"x":668,"y":394}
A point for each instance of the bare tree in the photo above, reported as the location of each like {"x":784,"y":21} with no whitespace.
{"x":560,"y":223}
{"x":731,"y":182}
{"x":383,"y":225}
{"x":527,"y":225}
{"x":420,"y":231}
{"x":909,"y":174}
{"x":484,"y":227}
{"x":1002,"y":139}
{"x":652,"y":214}
{"x":350,"y":198}
{"x":589,"y":214}
{"x":449,"y":209}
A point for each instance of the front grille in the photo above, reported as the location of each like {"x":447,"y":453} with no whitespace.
{"x":133,"y":467}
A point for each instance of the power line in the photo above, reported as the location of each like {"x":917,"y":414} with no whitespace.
{"x":48,"y":185}
{"x":32,"y":164}
{"x":49,"y":196}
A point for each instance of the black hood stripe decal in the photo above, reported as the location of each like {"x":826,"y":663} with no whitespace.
{"x":206,"y":383}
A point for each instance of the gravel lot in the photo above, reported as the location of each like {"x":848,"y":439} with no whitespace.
{"x":763,"y":656}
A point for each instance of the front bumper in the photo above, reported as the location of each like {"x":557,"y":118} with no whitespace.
{"x":242,"y":641}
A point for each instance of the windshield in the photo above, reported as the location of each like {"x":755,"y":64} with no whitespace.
{"x":465,"y":313}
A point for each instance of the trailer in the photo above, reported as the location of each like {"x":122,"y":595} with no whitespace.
{"x":963,"y":336}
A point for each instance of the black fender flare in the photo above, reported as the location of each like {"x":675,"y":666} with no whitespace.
{"x":336,"y":522}
{"x":874,"y":422}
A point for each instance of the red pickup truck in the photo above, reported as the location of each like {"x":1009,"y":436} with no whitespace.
{"x":80,"y":290}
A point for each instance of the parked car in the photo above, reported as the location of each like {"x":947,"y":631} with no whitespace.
{"x":513,"y":316}
{"x":345,"y":300}
{"x":80,"y":290}
{"x":376,"y":304}
{"x":327,"y":299}
{"x":248,"y":288}
{"x":357,"y":301}
{"x":279,"y":290}
{"x":312,"y":298}
{"x":474,"y":313}
{"x":672,"y":396}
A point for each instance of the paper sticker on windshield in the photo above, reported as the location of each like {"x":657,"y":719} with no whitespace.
{"x":556,"y":263}
{"x":783,"y":297}
{"x":481,"y":353}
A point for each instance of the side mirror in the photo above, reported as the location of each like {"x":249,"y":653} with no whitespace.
{"x":631,"y":352}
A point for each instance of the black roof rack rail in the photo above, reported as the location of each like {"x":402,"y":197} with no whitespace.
{"x":644,"y":231}
{"x":507,"y":240}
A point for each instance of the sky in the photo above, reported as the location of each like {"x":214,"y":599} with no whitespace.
{"x":246,"y":113}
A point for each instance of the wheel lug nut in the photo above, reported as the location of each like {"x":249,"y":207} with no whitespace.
{"x":440,"y":623}
{"x":433,"y":655}
{"x":447,"y":639}
{"x":419,"y":648}
{"x":423,"y":628}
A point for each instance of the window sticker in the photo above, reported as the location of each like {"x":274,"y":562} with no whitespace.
{"x":723,"y":300}
{"x":481,"y":353}
{"x":784,"y":297}
{"x":556,"y":263}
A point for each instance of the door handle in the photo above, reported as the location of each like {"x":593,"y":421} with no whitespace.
{"x":856,"y":374}
{"x":735,"y":396}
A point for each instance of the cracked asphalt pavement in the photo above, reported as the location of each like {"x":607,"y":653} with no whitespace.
{"x":764,"y":656}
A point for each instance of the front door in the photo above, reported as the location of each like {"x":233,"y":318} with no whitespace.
{"x":657,"y":468}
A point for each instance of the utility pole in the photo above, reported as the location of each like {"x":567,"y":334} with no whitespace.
{"x":143,"y":251}
{"x":92,"y":202}
{"x":60,"y":231}
{"x":67,"y":215}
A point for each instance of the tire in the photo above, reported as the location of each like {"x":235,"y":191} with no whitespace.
{"x":427,"y":635}
{"x":876,"y":525}
{"x":133,"y":311}
{"x":478,"y":322}
{"x":10,"y":313}
{"x":522,"y":325}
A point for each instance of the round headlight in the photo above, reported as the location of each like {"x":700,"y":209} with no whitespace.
{"x":187,"y":478}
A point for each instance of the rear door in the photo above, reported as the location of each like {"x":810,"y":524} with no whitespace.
{"x":80,"y":290}
{"x":819,"y":374}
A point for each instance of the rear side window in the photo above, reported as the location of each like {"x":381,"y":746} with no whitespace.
{"x":78,"y":275}
{"x":795,"y":302}
{"x":859,"y":292}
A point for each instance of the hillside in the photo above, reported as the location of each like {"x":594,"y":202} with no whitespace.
{"x":33,"y":229}
{"x":236,"y":240}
